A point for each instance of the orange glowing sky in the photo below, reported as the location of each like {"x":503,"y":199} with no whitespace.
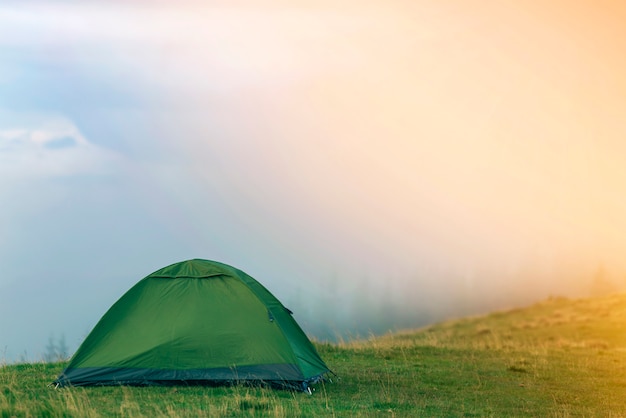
{"x":491,"y":130}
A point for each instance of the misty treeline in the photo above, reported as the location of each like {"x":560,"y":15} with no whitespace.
{"x":602,"y":284}
{"x":56,"y":349}
{"x":334,"y":309}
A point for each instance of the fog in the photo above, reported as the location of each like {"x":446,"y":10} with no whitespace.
{"x":377,"y":167}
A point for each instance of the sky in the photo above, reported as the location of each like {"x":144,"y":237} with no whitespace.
{"x":376,"y":165}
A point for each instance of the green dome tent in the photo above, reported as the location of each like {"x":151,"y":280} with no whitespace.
{"x":196,"y":322}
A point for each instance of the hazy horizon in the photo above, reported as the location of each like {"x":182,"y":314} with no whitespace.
{"x":376,"y":166}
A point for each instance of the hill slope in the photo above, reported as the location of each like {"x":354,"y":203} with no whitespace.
{"x":556,"y":358}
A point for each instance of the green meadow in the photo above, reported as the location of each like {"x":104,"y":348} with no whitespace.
{"x":558,"y":358}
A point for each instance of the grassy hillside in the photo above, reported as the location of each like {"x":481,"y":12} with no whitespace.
{"x":558,"y":358}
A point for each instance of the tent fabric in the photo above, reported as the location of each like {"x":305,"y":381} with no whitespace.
{"x":196,"y":322}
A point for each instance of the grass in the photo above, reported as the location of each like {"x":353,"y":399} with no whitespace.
{"x":558,"y":358}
